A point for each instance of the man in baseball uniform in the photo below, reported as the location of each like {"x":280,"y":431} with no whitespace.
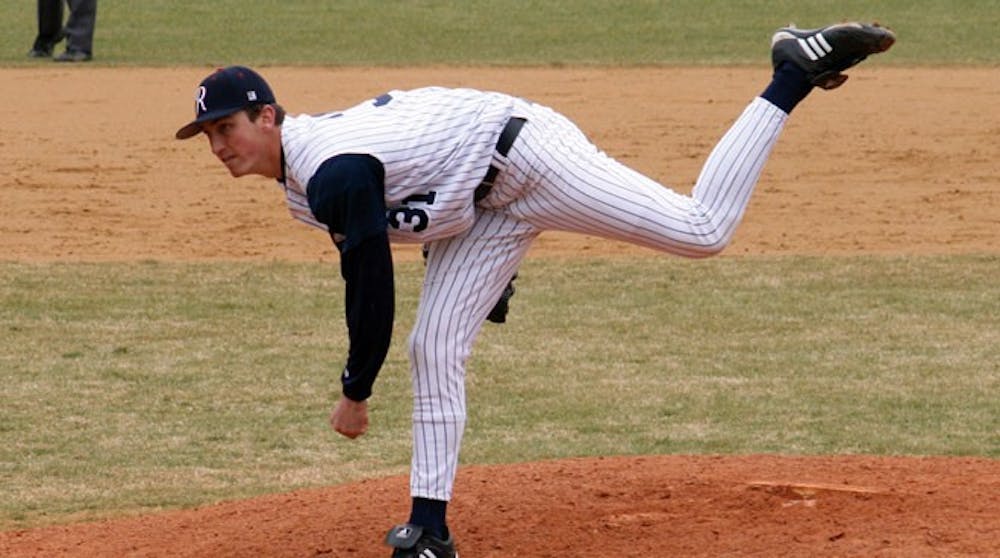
{"x":475,"y":176}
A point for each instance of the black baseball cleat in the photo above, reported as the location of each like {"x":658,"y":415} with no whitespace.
{"x":410,"y":541}
{"x":823,"y":53}
{"x":73,"y":56}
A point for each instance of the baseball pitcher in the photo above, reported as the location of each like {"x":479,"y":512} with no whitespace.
{"x":475,"y":176}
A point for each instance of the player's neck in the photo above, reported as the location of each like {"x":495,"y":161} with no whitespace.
{"x":274,"y":164}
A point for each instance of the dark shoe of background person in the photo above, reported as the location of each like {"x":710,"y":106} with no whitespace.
{"x":43,"y":48}
{"x":73,"y":56}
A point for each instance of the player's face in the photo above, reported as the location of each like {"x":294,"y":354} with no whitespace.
{"x":240,"y":144}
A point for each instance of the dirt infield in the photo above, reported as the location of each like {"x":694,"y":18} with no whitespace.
{"x":898,"y":161}
{"x":648,"y":507}
{"x":901,"y":161}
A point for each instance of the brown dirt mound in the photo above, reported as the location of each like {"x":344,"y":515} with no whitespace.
{"x":647,"y":506}
{"x":901,"y":161}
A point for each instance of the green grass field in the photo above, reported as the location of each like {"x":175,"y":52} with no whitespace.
{"x":128,"y":387}
{"x":134,"y":386}
{"x":403,"y":32}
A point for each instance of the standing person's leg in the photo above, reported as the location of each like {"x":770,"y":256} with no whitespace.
{"x":50,"y":27}
{"x":464,"y":278}
{"x":80,"y":27}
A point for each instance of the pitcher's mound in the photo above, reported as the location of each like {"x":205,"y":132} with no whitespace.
{"x":648,"y":507}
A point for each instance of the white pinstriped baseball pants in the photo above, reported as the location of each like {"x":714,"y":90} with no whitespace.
{"x":556,"y":179}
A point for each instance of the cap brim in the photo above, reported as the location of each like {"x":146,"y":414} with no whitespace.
{"x":193,"y":128}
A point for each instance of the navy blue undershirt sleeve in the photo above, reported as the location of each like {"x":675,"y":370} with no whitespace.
{"x":347,"y":195}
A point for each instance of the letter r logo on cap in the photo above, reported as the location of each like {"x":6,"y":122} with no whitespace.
{"x":200,"y":100}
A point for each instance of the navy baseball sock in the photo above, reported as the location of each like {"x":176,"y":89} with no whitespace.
{"x":430,"y":515}
{"x":788,"y":87}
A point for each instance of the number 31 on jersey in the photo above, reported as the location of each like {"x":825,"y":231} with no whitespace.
{"x":409,"y":216}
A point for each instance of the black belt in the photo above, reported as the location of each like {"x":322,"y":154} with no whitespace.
{"x":507,"y":137}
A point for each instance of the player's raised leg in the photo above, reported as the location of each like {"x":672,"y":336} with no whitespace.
{"x":583,"y":190}
{"x":564,"y":182}
{"x":801,"y":59}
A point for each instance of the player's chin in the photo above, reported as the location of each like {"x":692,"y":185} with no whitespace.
{"x":235,"y":168}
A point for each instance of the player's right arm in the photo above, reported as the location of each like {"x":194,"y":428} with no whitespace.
{"x":347,"y":195}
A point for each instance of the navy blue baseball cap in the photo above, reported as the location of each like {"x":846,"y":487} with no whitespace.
{"x":226,"y":91}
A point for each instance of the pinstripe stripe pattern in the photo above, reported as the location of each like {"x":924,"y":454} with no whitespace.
{"x":465,"y":276}
{"x":568,"y":184}
{"x":554,"y":178}
{"x":429,"y":139}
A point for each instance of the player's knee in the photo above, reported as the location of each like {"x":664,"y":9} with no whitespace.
{"x":710,"y":249}
{"x":426,"y":354}
{"x":417,"y":350}
{"x":713,"y":236}
{"x":698,"y":246}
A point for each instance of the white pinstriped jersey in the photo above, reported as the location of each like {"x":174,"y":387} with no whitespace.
{"x":434,"y":143}
{"x":435,"y":146}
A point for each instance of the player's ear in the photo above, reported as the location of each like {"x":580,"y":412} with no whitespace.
{"x":267,"y":118}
